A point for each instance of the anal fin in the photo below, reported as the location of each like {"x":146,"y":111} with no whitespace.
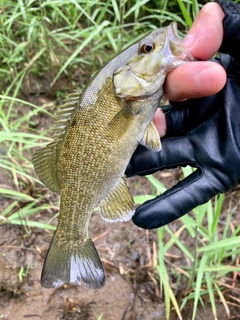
{"x":151,"y":138}
{"x":118,"y":205}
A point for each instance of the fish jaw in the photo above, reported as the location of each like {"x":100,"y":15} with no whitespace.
{"x":176,"y":51}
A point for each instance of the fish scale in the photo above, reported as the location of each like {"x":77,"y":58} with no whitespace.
{"x":84,"y":138}
{"x":95,"y":135}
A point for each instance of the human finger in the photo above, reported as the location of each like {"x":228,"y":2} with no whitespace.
{"x":205,"y":36}
{"x":194,"y":80}
{"x":160,"y":122}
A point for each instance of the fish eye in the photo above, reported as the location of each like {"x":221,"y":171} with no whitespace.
{"x":147,"y":46}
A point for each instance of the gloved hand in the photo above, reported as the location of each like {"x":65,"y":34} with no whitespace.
{"x":203,"y":133}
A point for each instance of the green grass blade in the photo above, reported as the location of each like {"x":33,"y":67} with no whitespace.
{"x":195,"y":8}
{"x":200,"y":274}
{"x":218,"y":210}
{"x":164,"y":279}
{"x":135,"y":7}
{"x":21,"y":173}
{"x":185,"y":13}
{"x":33,"y":224}
{"x":229,"y":243}
{"x":200,"y":213}
{"x":223,"y":300}
{"x":208,"y":277}
{"x":142,"y":199}
{"x":25,"y":138}
{"x":91,"y":35}
{"x":175,"y":240}
{"x":9,"y":208}
{"x":8,"y":193}
{"x":157,"y":184}
{"x":116,"y":10}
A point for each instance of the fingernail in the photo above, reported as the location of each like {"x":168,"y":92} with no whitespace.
{"x":189,"y":40}
{"x":205,"y":81}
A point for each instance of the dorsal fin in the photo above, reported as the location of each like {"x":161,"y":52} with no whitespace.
{"x":64,"y":115}
{"x":45,"y":160}
{"x":45,"y":165}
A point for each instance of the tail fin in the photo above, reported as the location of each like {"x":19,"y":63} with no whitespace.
{"x":66,"y":265}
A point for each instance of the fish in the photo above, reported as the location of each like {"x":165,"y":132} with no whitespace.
{"x":95,"y":135}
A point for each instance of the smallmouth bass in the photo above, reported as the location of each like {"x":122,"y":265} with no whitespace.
{"x":95,"y":135}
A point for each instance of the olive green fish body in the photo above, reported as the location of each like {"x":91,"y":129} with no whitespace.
{"x":95,"y":136}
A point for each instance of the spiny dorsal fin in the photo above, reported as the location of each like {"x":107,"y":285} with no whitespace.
{"x":45,"y":160}
{"x":118,"y":205}
{"x":64,"y":115}
{"x":151,"y":138}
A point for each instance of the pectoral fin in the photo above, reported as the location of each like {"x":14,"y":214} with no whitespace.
{"x":118,"y":205}
{"x":151,"y":138}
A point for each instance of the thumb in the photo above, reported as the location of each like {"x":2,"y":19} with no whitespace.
{"x":206,"y":34}
{"x":194,"y":190}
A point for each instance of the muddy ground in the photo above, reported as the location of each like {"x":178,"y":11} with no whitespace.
{"x":132,"y":283}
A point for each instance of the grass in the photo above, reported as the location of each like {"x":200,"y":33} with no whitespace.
{"x":57,"y":40}
{"x":211,"y":256}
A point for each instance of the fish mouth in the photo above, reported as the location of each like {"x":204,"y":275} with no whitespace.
{"x":181,"y":52}
{"x":172,"y":32}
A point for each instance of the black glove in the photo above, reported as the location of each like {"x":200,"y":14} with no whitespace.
{"x":203,"y":133}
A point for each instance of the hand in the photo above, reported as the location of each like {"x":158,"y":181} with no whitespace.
{"x":203,"y":133}
{"x":200,"y":78}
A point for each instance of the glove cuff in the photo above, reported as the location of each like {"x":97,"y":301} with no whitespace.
{"x":231,"y":24}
